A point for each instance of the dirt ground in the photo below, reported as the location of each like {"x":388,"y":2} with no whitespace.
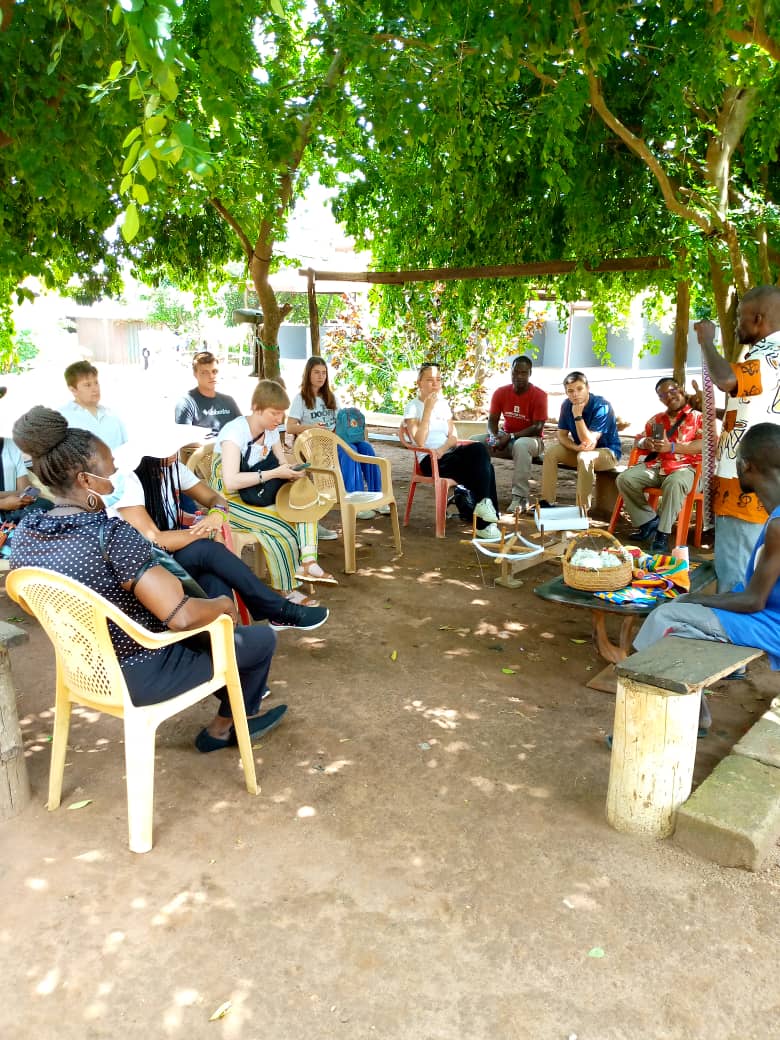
{"x":428,"y":858}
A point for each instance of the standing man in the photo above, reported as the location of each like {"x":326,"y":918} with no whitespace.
{"x":85,"y":412}
{"x":588,"y":440}
{"x":753,"y":395}
{"x":673,"y":441}
{"x":517,"y":416}
{"x":203,"y":406}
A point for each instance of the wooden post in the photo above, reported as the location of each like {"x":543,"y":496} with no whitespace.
{"x":653,"y":751}
{"x":656,"y":726}
{"x":14,"y":782}
{"x":314,"y":314}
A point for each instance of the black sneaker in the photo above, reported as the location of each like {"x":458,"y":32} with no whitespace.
{"x":304,"y":618}
{"x":544,"y":504}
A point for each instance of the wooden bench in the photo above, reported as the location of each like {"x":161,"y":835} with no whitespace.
{"x":656,"y":726}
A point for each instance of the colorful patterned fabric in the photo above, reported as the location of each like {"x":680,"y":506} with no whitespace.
{"x":655,"y":578}
{"x":709,"y":446}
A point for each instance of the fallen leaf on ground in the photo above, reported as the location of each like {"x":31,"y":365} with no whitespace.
{"x":221,"y":1011}
{"x":394,"y":655}
{"x":80,"y":805}
{"x":596,"y":952}
{"x":508,"y":671}
{"x":579,"y":641}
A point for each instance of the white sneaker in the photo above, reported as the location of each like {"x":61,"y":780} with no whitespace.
{"x":486,"y":511}
{"x":491,"y":533}
{"x":384,"y":510}
{"x":324,"y":534}
{"x":366,"y":514}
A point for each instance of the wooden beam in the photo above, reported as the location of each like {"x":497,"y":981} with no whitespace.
{"x":314,"y":314}
{"x":451,"y":274}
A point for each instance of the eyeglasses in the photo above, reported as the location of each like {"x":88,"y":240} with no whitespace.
{"x":669,"y":390}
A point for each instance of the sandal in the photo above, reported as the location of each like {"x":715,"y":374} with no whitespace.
{"x":312,"y":571}
{"x":300,"y":600}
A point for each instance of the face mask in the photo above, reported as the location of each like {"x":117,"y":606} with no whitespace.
{"x":117,"y":482}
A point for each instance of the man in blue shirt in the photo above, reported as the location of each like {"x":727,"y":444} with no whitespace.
{"x":85,"y":412}
{"x":750,"y":614}
{"x":588,"y":440}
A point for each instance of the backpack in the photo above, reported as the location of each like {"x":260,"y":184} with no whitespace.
{"x":350,"y":425}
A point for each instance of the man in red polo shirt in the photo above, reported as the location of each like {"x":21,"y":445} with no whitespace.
{"x":518,"y":413}
{"x":673,"y":442}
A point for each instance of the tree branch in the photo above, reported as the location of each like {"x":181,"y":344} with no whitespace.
{"x":752,"y":34}
{"x":634,"y":143}
{"x":228,"y":217}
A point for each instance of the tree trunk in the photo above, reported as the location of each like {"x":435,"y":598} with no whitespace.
{"x":14,"y":783}
{"x":681,"y":323}
{"x":726,"y":304}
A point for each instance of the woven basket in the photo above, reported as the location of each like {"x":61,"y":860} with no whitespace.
{"x":591,"y":580}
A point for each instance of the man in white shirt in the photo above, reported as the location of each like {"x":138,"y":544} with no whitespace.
{"x":85,"y":412}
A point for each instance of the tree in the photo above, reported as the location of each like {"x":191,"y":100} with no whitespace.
{"x":544,"y":131}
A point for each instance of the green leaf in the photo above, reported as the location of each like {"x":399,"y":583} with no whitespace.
{"x":147,"y":167}
{"x":125,"y":183}
{"x":135,"y":132}
{"x":508,"y":671}
{"x":129,"y":162}
{"x":115,"y":69}
{"x":154,"y":124}
{"x":131,"y":223}
{"x":80,"y":805}
{"x":596,"y":952}
{"x":277,"y":8}
{"x":140,"y":194}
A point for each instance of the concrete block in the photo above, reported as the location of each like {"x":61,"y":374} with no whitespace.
{"x":762,"y":740}
{"x":734,"y":817}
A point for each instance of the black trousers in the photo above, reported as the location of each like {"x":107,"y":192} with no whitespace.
{"x":470,"y":465}
{"x":218,"y":571}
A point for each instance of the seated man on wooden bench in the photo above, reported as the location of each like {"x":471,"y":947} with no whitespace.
{"x":750,"y":614}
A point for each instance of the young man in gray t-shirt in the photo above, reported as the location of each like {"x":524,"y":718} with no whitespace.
{"x":203,"y":406}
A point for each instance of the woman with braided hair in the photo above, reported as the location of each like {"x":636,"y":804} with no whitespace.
{"x":77,"y":538}
{"x":150,"y":502}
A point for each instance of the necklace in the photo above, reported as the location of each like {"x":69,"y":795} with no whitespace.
{"x":71,"y":505}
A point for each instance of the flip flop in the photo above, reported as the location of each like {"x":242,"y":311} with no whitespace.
{"x":304,"y":574}
{"x":300,"y":600}
{"x":259,"y":725}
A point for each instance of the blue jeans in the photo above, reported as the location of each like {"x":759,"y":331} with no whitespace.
{"x":356,"y":473}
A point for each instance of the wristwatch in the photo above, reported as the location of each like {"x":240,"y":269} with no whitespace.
{"x":579,"y":418}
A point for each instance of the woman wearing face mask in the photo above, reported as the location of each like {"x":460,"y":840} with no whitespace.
{"x":150,"y":501}
{"x":76,"y":538}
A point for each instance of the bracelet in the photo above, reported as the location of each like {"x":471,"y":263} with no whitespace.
{"x":260,"y":478}
{"x":672,"y":446}
{"x":220,"y":510}
{"x":212,"y":535}
{"x":176,"y":609}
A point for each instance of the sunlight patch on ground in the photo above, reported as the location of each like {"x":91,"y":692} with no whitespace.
{"x":306,"y":812}
{"x":93,"y":856}
{"x":48,"y":983}
{"x":36,"y":884}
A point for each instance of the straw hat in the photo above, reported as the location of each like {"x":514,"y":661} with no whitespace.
{"x":299,"y":502}
{"x":158,"y":442}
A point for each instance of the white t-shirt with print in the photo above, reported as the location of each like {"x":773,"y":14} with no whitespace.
{"x":439,"y":422}
{"x":320,"y":413}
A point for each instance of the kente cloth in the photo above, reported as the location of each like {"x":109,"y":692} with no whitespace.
{"x":709,"y":445}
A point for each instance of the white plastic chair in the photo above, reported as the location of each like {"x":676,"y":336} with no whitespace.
{"x":320,"y":449}
{"x":88,"y":673}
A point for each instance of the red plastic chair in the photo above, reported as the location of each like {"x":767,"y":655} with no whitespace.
{"x":441,"y":485}
{"x":243,"y":613}
{"x":693,"y":499}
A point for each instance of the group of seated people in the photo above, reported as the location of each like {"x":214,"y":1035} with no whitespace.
{"x":102,"y":526}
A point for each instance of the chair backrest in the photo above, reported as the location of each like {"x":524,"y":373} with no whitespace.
{"x":76,"y":621}
{"x":321,"y":449}
{"x":200,"y":462}
{"x":419,"y":453}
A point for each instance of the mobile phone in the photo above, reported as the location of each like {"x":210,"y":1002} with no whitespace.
{"x":30,"y":492}
{"x":658,"y":431}
{"x":302,"y":465}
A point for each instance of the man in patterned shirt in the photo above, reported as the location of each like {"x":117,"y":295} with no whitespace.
{"x":753,"y":395}
{"x":673,"y":442}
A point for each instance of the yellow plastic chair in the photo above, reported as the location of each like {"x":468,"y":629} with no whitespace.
{"x":320,"y":449}
{"x":88,"y":673}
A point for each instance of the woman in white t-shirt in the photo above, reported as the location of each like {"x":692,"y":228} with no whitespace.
{"x":429,"y":422}
{"x":290,"y":549}
{"x":316,"y":405}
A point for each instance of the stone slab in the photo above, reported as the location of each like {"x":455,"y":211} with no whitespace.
{"x":12,"y":635}
{"x":734,"y":817}
{"x":762,"y":740}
